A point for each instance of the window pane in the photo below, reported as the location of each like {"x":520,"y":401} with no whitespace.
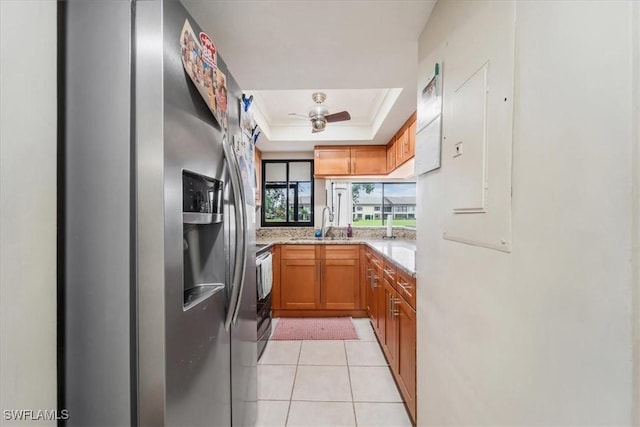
{"x":274,"y":204}
{"x":304,"y":202}
{"x":275,"y":172}
{"x":299,"y":171}
{"x":367,"y":201}
{"x":290,"y":207}
{"x":400,"y":201}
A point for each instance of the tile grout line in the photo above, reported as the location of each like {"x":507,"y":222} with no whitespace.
{"x":293,"y":386}
{"x":353,"y":403}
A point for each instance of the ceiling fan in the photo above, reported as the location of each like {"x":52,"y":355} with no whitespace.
{"x":319,"y":114}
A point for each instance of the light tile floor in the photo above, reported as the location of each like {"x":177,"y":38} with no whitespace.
{"x":328,"y":384}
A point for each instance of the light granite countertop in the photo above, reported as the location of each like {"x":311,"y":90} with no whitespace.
{"x":401,"y":252}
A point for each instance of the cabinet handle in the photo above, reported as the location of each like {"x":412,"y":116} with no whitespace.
{"x":389,"y":272}
{"x":405,"y":287}
{"x":396,"y":313}
{"x":320,"y":268}
{"x":392,"y":303}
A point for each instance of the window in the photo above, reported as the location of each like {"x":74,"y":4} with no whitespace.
{"x":287,"y":190}
{"x":379,"y":199}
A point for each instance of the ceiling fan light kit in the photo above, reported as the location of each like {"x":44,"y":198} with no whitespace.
{"x":318,"y":124}
{"x":319,"y":114}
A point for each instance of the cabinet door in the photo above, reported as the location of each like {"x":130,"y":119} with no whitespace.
{"x":391,"y":327}
{"x":368,"y":160}
{"x":332,"y":161}
{"x":411,"y":140}
{"x":378,"y":291}
{"x":371,"y":292}
{"x":402,"y":142}
{"x":299,"y":284}
{"x":406,"y":367}
{"x":340,"y":284}
{"x":391,"y":155}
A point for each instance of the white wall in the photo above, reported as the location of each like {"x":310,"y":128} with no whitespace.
{"x":28,"y":207}
{"x":635,"y":160}
{"x":541,"y":335}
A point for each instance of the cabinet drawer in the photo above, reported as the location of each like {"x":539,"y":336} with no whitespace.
{"x":389,"y":271}
{"x":376,"y":261}
{"x":298,"y":252}
{"x":406,"y":286}
{"x":341,"y":252}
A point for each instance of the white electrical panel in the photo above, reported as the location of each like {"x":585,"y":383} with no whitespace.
{"x":469,"y":138}
{"x":477,"y":130}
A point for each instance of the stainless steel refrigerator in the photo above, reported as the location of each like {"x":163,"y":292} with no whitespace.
{"x":157,"y":299}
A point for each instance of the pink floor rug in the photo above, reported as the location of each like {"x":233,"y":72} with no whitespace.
{"x":311,"y":328}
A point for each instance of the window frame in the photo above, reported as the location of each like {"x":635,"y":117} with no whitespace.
{"x":287,"y":187}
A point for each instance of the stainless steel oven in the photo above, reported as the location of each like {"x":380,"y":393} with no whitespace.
{"x":264,"y":280}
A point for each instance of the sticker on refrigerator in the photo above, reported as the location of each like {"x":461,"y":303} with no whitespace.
{"x":244,"y":151}
{"x":199,"y":59}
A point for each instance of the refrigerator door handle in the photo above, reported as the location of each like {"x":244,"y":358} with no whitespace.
{"x":240,"y":264}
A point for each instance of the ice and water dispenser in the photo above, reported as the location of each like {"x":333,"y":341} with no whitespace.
{"x":202,"y":226}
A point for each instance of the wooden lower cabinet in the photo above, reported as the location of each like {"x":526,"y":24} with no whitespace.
{"x":406,"y":358}
{"x":381,"y":305}
{"x":299,"y":284}
{"x":319,"y":279}
{"x":390,"y":346}
{"x":327,"y":280}
{"x":394,"y":322}
{"x":340,"y":284}
{"x":371,"y":300}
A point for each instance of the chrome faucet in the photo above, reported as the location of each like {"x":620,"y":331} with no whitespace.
{"x":324,"y":231}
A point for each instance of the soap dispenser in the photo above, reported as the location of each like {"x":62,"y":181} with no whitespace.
{"x":349,"y":231}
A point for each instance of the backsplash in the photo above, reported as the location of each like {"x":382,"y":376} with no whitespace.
{"x":358,"y":232}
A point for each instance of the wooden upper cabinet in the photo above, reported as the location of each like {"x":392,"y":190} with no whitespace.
{"x":391,"y":155}
{"x":369,"y":160}
{"x":341,"y":160}
{"x":350,"y":160}
{"x":332,"y":160}
{"x":412,"y":139}
{"x":405,"y":141}
{"x":402,"y":144}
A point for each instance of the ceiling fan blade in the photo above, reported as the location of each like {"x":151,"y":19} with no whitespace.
{"x":299,"y":116}
{"x":338,"y":117}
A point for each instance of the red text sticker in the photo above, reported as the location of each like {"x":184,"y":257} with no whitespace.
{"x":208,"y":49}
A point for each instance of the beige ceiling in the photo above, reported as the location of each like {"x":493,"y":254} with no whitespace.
{"x":288,"y":49}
